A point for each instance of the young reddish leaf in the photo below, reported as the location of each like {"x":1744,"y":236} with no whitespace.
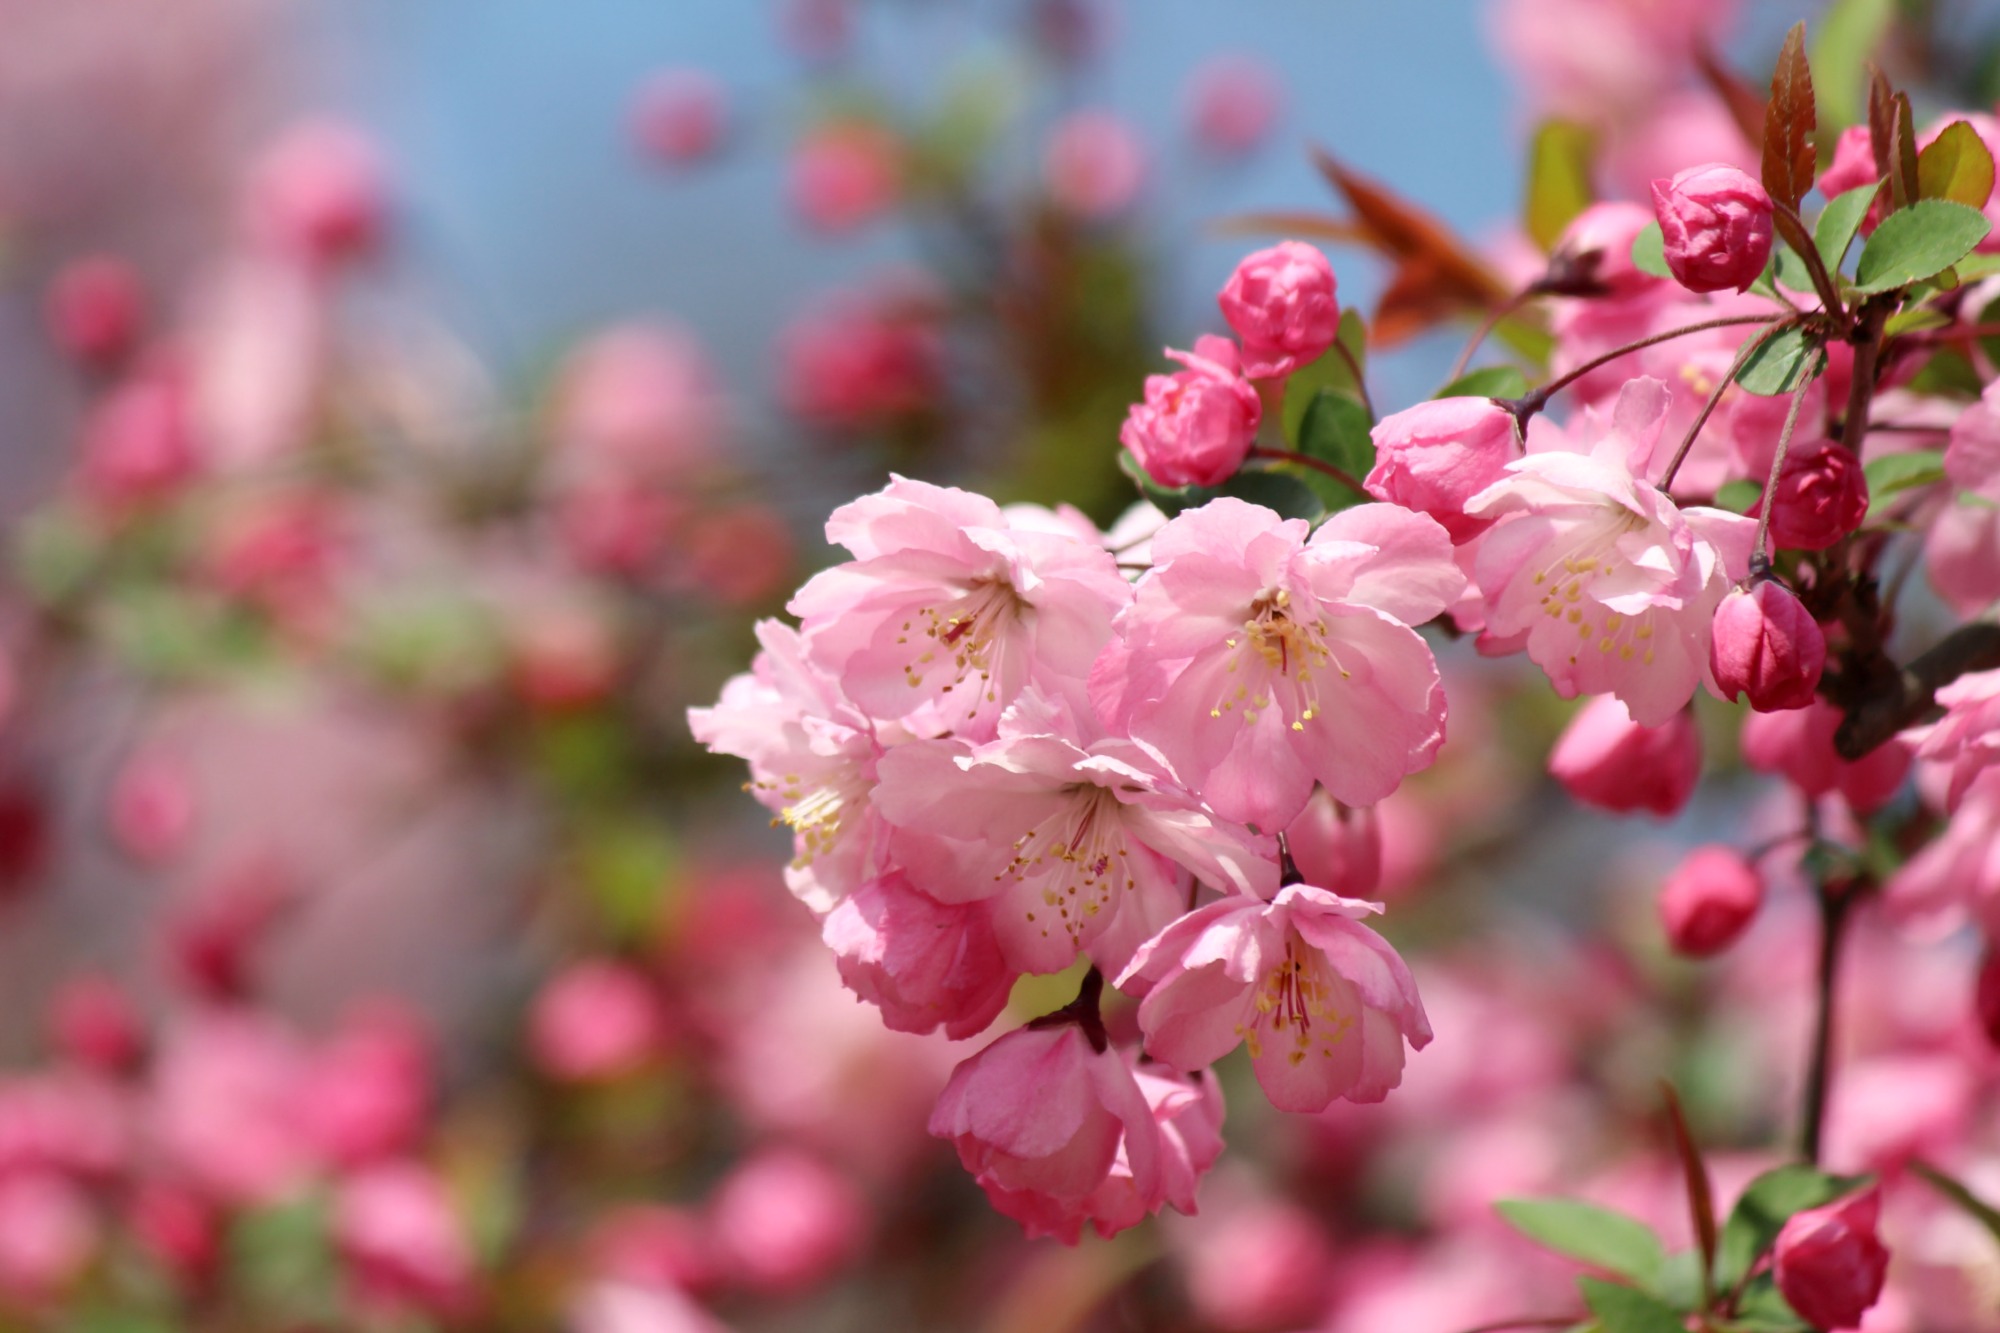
{"x":1741,"y":100}
{"x":1790,"y":123}
{"x":1558,"y":179}
{"x":1957,"y":166}
{"x":1307,"y":226}
{"x":1701,"y":1194}
{"x":1903,"y":154}
{"x":1881,"y":118}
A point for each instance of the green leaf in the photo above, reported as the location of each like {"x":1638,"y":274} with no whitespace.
{"x":1914,"y":319}
{"x":1558,"y":179}
{"x":1335,"y":429}
{"x":1171,"y":500}
{"x":1284,"y":489}
{"x":1838,"y":222}
{"x":1915,"y":242}
{"x":1956,"y":166}
{"x":1974,"y":267}
{"x":1649,"y":251}
{"x":1782,"y":362}
{"x":1893,"y":474}
{"x":1621,"y":1309}
{"x":1599,"y":1237}
{"x":1737,"y":496}
{"x":1329,"y":372}
{"x":1848,"y":33}
{"x":1487,"y":382}
{"x":1948,"y":374}
{"x":1766,"y":1204}
{"x":1789,"y":270}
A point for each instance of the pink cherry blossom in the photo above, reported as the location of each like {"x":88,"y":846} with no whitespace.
{"x":1605,"y":759}
{"x":48,"y":1233}
{"x":1337,"y":847}
{"x":320,"y":194}
{"x":1323,"y":1002}
{"x":1230,"y":103}
{"x":95,"y":309}
{"x":1260,"y":657}
{"x":680,"y":116}
{"x":369,"y":1094}
{"x":1188,"y":1111}
{"x":1436,"y":456}
{"x":1972,"y":454}
{"x":922,"y":962}
{"x":812,"y":761}
{"x":1039,"y":1119}
{"x":948,"y":611}
{"x":1082,"y":843}
{"x":1716,"y":221}
{"x":597,"y":1019}
{"x":1612,"y":585}
{"x":1955,"y":876}
{"x":1094,"y":165}
{"x":845,"y":174}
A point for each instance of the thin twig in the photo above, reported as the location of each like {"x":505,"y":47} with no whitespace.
{"x":1317,"y":464}
{"x":1760,"y":555}
{"x":1360,"y":381}
{"x":1833,"y":909}
{"x":1486,"y":327}
{"x":1539,"y":399}
{"x":1743,"y":355}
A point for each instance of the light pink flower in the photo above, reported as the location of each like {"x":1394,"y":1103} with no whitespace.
{"x":1799,"y":744}
{"x":139,"y":444}
{"x":1852,"y":166}
{"x":1972,"y":456}
{"x":1188,"y":1111}
{"x":1260,"y":656}
{"x":1436,"y":456}
{"x":844,"y":174}
{"x":1283,"y":303}
{"x":925,"y":964}
{"x":47,"y":1234}
{"x":947,"y":612}
{"x":1967,"y":737}
{"x":1039,"y":1118}
{"x":784,"y":1222}
{"x":637,"y":400}
{"x":812,"y":760}
{"x":1962,"y":556}
{"x":1093,"y":165}
{"x":1829,"y":1263}
{"x":403,"y":1240}
{"x":1605,"y":759}
{"x":1766,"y":645}
{"x":1337,"y":847}
{"x":1081,"y":842}
{"x":1195,"y":426}
{"x":1612,"y":585}
{"x":1709,"y":900}
{"x":1957,"y":874}
{"x":1231,"y":102}
{"x":597,"y":1019}
{"x":1323,"y":1002}
{"x":368,"y":1094}
{"x":229,"y":1107}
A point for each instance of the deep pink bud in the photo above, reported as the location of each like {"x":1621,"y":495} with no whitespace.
{"x":1830,"y":1264}
{"x":1094,"y":165}
{"x":93,"y":1022}
{"x":1986,"y":997}
{"x":1607,"y":760}
{"x":1709,"y":900}
{"x":319,"y":194}
{"x":1607,"y":230}
{"x":1232,"y":102}
{"x":1196,"y":425}
{"x":845,"y":173}
{"x":1767,"y":646}
{"x":1716,"y":222}
{"x":1822,"y":495}
{"x":1282,"y":303}
{"x":95,"y":310}
{"x":1437,"y":455}
{"x":139,"y":444}
{"x":152,"y":808}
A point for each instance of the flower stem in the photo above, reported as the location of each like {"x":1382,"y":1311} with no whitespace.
{"x":1834,"y":901}
{"x":1760,"y":558}
{"x":1537,"y":400}
{"x":1743,"y":355}
{"x":1340,"y":475}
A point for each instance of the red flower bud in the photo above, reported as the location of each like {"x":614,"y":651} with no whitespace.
{"x":1830,"y":1263}
{"x":1709,"y":900}
{"x":1716,"y":225}
{"x":1765,"y":645}
{"x":1821,"y":496}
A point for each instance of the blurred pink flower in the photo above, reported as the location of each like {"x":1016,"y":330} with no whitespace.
{"x":845,"y":174}
{"x":784,"y":1222}
{"x":1093,"y":165}
{"x":319,"y":194}
{"x":404,"y":1242}
{"x":680,"y":116}
{"x":1605,"y":759}
{"x":596,"y":1019}
{"x":1231,"y":102}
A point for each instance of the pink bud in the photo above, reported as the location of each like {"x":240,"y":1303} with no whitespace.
{"x":1282,"y":303}
{"x":1799,"y":744}
{"x":369,"y":1092}
{"x":1337,"y":847}
{"x":95,"y":310}
{"x":1094,"y":165}
{"x":1709,"y":900}
{"x":679,"y":116}
{"x":1232,"y":102}
{"x":177,"y":1227}
{"x":1437,"y":455}
{"x":845,"y":173}
{"x":1195,"y":426}
{"x":152,"y":808}
{"x":212,"y":942}
{"x":1986,"y":997}
{"x":138,"y":445}
{"x":784,"y":1222}
{"x":319,"y":194}
{"x":565,"y":656}
{"x":1767,"y":646}
{"x":598,"y":1019}
{"x":1829,"y":1262}
{"x":1716,"y":222}
{"x":655,"y":1245}
{"x":1605,"y":759}
{"x":1822,"y":495}
{"x":405,"y":1243}
{"x":93,"y":1022}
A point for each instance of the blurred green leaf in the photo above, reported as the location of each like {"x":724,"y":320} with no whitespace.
{"x":1846,"y":37}
{"x":1916,"y":242}
{"x":1737,"y":496}
{"x":1621,"y":1309}
{"x":1893,"y":474}
{"x":625,"y":863}
{"x":1284,"y":489}
{"x":1957,"y":166}
{"x":282,"y":1257}
{"x":1782,"y":362}
{"x":1597,"y":1236}
{"x":1949,"y":374}
{"x":1487,"y":382}
{"x":1766,"y":1204}
{"x":1558,"y":179}
{"x":1649,"y":251}
{"x":1914,"y":319}
{"x":55,"y":553}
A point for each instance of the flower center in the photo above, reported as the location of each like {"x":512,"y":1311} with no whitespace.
{"x":814,"y":812}
{"x":1284,"y":652}
{"x":1566,"y":580}
{"x":960,"y":637}
{"x":1292,"y":996}
{"x":1079,"y":855}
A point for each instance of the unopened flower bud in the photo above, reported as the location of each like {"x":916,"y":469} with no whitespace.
{"x":1821,"y":496}
{"x":95,"y":311}
{"x":1986,"y":997}
{"x":1437,"y":455}
{"x":1709,"y":900}
{"x":1829,"y":1262}
{"x":1766,"y":646}
{"x":1282,"y":304}
{"x":1196,"y":425}
{"x":1716,"y":222}
{"x":1605,"y":759}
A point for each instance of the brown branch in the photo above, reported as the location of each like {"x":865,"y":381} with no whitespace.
{"x":1912,"y":694}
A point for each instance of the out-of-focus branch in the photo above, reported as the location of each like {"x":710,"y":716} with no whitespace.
{"x":1912,"y":693}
